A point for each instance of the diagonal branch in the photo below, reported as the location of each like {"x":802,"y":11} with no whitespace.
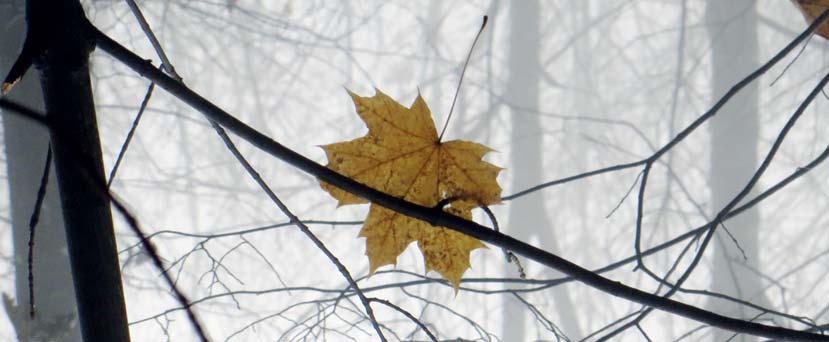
{"x":168,"y":67}
{"x":437,"y":217}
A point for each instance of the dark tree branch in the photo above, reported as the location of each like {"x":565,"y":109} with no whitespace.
{"x":302,"y":226}
{"x":439,"y":218}
{"x":168,"y":67}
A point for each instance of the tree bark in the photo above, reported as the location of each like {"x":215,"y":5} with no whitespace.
{"x":25,"y":147}
{"x":60,"y":35}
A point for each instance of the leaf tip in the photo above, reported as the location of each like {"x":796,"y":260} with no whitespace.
{"x":351,"y":93}
{"x":374,"y":264}
{"x":419,"y":105}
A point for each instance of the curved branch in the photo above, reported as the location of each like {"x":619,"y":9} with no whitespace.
{"x":437,"y":217}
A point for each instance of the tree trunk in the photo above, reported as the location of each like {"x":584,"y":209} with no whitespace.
{"x":732,"y":27}
{"x":25,"y":147}
{"x":58,"y":30}
{"x":527,"y":213}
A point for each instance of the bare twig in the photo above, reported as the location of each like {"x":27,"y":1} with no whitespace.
{"x":33,"y":220}
{"x":132,"y":222}
{"x":123,"y":151}
{"x":168,"y":67}
{"x":439,"y":218}
{"x":304,"y":228}
{"x":408,"y":315}
{"x":165,"y":62}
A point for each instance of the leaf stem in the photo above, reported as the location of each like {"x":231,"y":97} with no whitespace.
{"x":460,"y":81}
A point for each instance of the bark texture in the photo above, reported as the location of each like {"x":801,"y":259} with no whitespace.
{"x":58,"y":32}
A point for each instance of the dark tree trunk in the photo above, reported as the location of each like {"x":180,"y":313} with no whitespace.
{"x":25,"y":147}
{"x":58,"y":39}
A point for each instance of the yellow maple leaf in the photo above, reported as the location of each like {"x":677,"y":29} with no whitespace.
{"x":811,"y":9}
{"x":402,"y":156}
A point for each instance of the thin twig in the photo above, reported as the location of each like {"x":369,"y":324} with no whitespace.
{"x":33,"y":220}
{"x":123,"y":151}
{"x":640,"y":205}
{"x":132,"y":222}
{"x":712,"y":226}
{"x":168,"y":67}
{"x":510,"y":256}
{"x":630,"y":190}
{"x":696,"y":123}
{"x":302,"y":227}
{"x":439,"y":218}
{"x":460,"y":81}
{"x":408,"y":315}
{"x":165,"y":62}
